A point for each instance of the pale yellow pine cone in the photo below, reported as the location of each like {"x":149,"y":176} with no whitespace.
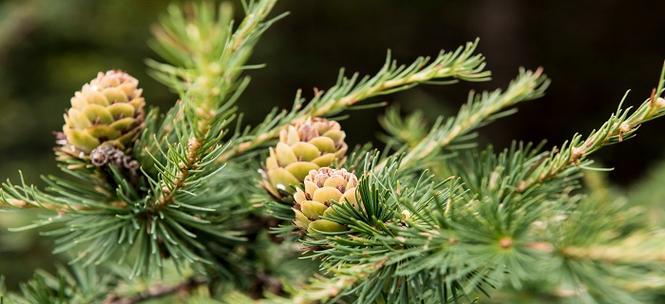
{"x":322,"y":188}
{"x":108,"y":109}
{"x":304,"y":146}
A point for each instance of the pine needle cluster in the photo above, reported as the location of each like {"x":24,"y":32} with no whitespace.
{"x":194,"y":205}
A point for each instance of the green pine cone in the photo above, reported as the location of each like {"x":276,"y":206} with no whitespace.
{"x":323,"y":187}
{"x":108,"y":109}
{"x":302,"y":147}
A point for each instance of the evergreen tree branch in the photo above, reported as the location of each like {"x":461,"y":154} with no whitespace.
{"x":339,"y":280}
{"x":22,"y":197}
{"x":404,"y":235}
{"x":479,"y":110}
{"x":403,"y":131}
{"x":169,"y":190}
{"x":157,"y":291}
{"x":165,"y":217}
{"x":461,"y":64}
{"x":84,"y":192}
{"x":206,"y":81}
{"x":626,"y":253}
{"x":629,"y":251}
{"x":453,"y":240}
{"x":399,"y":229}
{"x":621,"y":126}
{"x":66,"y":285}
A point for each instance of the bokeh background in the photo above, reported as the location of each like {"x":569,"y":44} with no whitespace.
{"x":592,"y":50}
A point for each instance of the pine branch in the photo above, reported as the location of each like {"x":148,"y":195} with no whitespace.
{"x":461,"y":64}
{"x":157,"y":291}
{"x":479,"y":110}
{"x":632,"y":250}
{"x":84,"y":192}
{"x":207,"y":81}
{"x":450,"y":239}
{"x":500,"y":219}
{"x":603,"y":246}
{"x":397,"y":229}
{"x":190,"y":163}
{"x":621,"y":126}
{"x":23,"y":197}
{"x":403,"y":131}
{"x":67,"y":285}
{"x":627,"y":253}
{"x":340,"y":280}
{"x":165,"y":217}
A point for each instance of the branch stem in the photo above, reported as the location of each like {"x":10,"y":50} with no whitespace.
{"x":620,"y":126}
{"x":462,"y":64}
{"x":157,"y":291}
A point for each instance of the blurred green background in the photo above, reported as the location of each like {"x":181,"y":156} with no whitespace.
{"x":593,"y":51}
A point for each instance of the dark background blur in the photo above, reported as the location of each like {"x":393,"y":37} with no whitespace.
{"x":593,"y":51}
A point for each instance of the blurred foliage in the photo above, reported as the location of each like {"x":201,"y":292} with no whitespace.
{"x":649,"y":192}
{"x":48,"y":48}
{"x":33,"y":251}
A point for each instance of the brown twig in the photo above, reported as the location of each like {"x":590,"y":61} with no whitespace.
{"x":157,"y":291}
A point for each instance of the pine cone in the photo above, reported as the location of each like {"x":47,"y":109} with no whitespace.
{"x":302,"y":147}
{"x":109,"y":109}
{"x":323,"y":187}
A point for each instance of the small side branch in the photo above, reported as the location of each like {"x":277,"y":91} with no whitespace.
{"x":480,"y":109}
{"x":620,"y":126}
{"x":157,"y":291}
{"x":168,"y":194}
{"x":462,"y":64}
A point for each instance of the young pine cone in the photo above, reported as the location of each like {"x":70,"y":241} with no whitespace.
{"x":323,"y":187}
{"x":108,"y":109}
{"x":302,"y":147}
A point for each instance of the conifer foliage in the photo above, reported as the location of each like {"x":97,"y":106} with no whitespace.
{"x":192,"y":205}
